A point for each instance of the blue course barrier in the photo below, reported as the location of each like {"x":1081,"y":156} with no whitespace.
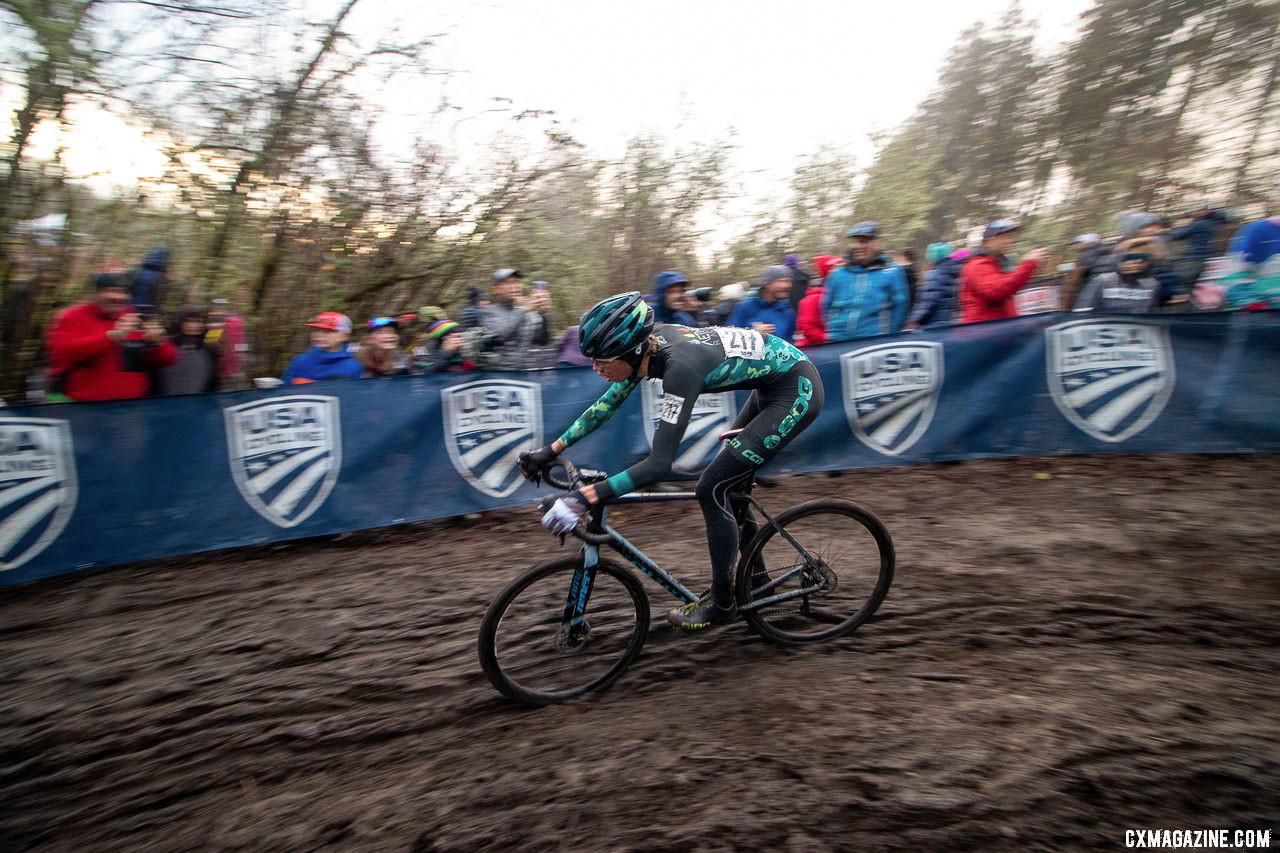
{"x":95,"y":484}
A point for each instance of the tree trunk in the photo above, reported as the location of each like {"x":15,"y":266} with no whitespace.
{"x":1259,"y":117}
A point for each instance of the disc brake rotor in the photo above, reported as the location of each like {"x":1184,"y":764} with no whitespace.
{"x":571,"y":637}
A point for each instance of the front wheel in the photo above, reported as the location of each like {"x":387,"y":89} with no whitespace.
{"x":562,"y":629}
{"x":817,"y":573}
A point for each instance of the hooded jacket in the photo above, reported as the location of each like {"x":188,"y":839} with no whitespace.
{"x":861,"y":301}
{"x":1115,"y":292}
{"x":811,"y":329}
{"x":937,"y":303}
{"x":146,"y":282}
{"x":1198,"y":234}
{"x":986,"y":290}
{"x":663,"y":314}
{"x":320,"y":365}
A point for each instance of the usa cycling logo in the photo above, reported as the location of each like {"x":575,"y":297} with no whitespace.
{"x":488,"y":424}
{"x":1110,"y":379}
{"x":891,"y":393}
{"x":285,"y":454}
{"x":37,"y":486}
{"x":712,"y":415}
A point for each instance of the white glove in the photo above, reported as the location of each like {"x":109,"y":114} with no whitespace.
{"x":564,"y":514}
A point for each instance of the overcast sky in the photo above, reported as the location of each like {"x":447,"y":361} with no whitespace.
{"x":785,"y":75}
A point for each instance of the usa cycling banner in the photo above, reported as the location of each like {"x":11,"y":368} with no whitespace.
{"x":95,"y":484}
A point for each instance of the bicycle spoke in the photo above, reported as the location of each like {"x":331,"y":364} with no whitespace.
{"x":825,"y":575}
{"x":537,"y":656}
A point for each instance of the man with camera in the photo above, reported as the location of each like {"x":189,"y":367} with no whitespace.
{"x":509,"y":328}
{"x":102,"y":349}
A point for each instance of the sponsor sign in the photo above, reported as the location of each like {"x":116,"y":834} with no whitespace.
{"x":891,"y":393}
{"x":285,"y":454}
{"x":712,"y":415}
{"x":1109,"y":378}
{"x":1037,"y":300}
{"x":37,"y":486}
{"x":487,"y":425}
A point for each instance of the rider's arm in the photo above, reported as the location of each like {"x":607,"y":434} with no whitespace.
{"x":596,"y":414}
{"x":680,"y":392}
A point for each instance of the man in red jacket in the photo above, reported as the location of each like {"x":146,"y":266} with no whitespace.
{"x":987,"y":285}
{"x":102,"y":350}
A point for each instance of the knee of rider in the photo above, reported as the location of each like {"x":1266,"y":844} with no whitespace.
{"x":704,"y":491}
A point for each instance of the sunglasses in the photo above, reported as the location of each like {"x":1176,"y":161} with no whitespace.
{"x":1136,"y":256}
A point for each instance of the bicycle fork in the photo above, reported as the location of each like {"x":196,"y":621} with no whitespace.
{"x":573,"y":625}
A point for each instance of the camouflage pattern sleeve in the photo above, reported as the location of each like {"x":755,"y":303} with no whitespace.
{"x":599,"y":412}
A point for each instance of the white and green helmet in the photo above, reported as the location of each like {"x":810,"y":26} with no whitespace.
{"x":615,"y":327}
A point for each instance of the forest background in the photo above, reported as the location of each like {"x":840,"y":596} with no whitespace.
{"x":276,"y":193}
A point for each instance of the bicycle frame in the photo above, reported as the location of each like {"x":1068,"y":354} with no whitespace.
{"x":584,"y":576}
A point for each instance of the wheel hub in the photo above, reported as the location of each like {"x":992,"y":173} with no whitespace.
{"x":572,"y":636}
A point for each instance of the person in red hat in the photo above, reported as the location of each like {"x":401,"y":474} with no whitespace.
{"x":328,"y":357}
{"x":810,"y":328}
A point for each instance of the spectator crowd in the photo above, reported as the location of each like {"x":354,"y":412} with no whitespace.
{"x":113,"y":345}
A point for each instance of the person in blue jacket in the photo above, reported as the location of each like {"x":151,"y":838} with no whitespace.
{"x":868,"y":295}
{"x":667,"y":299}
{"x":1253,"y":261}
{"x":769,"y":311}
{"x":147,"y":283}
{"x":937,"y":305}
{"x":1199,"y":235}
{"x":328,"y":357}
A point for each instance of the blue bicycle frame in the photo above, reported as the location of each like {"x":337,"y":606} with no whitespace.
{"x":584,"y":576}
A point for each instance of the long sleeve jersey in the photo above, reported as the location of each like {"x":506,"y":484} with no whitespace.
{"x":688,"y":361}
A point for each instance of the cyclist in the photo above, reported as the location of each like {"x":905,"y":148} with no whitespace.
{"x":625,"y":346}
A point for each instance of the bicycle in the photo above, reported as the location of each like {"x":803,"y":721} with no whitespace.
{"x":573,"y":625}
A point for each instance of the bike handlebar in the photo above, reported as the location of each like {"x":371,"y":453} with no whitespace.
{"x":574,"y":478}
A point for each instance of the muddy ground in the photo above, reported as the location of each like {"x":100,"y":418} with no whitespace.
{"x":1059,"y":660}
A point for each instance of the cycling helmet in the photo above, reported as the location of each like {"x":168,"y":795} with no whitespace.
{"x":615,"y":327}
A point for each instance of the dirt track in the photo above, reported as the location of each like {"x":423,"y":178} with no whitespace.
{"x":1059,"y":660}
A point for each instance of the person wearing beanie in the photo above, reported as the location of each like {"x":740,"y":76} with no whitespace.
{"x":769,"y":311}
{"x":443,"y":349}
{"x":988,"y":282}
{"x":811,"y":330}
{"x":1130,"y":289}
{"x":800,"y":278}
{"x":195,"y":369}
{"x":937,"y":303}
{"x":103,"y":350}
{"x":1137,"y":223}
{"x":469,"y":316}
{"x":935,"y":253}
{"x":328,"y":358}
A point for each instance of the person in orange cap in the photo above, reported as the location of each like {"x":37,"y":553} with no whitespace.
{"x":328,"y":357}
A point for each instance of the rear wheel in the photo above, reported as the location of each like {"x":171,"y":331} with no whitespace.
{"x":822,"y":578}
{"x":531,"y":653}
